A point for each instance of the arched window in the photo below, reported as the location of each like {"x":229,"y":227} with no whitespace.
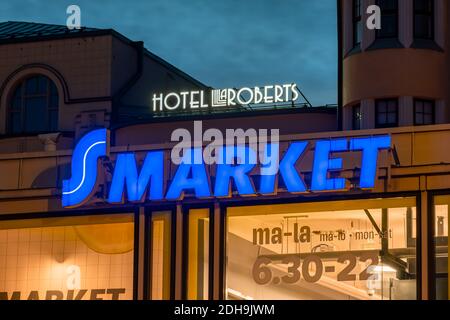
{"x":34,"y":106}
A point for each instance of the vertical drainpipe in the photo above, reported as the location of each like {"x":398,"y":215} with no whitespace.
{"x":340,"y":67}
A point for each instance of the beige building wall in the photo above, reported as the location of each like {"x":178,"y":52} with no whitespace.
{"x":101,"y":80}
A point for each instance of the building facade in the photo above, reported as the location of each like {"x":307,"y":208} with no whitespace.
{"x":358,"y":208}
{"x":398,"y":75}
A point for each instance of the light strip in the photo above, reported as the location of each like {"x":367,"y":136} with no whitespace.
{"x":84,"y":167}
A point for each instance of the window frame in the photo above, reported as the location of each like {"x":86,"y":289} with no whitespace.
{"x":185,"y":259}
{"x":149,"y":211}
{"x":357,"y":17}
{"x":22,"y":112}
{"x":432,"y":240}
{"x":86,"y":212}
{"x":433,"y":112}
{"x":231,"y":203}
{"x":386,"y":125}
{"x":431,"y":16}
{"x":394,"y":12}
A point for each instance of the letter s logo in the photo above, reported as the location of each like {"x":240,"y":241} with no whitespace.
{"x":89,"y":149}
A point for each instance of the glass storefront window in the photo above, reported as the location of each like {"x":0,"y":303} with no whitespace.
{"x":355,"y":249}
{"x":198,"y":254}
{"x":87,"y":258}
{"x":160,"y":255}
{"x":441,"y":225}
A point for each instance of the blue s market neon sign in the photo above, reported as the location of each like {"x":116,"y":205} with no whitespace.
{"x":148,"y":182}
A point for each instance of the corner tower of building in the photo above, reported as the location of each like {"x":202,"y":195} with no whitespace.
{"x":398,"y":75}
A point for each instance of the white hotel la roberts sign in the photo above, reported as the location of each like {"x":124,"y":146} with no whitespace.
{"x":202,"y":99}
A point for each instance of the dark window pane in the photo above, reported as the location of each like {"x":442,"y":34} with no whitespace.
{"x":42,"y":85}
{"x":386,"y":113}
{"x":16,"y":104}
{"x":34,"y":106}
{"x":388,"y":26}
{"x":428,"y":107}
{"x":424,"y":112}
{"x":386,"y":5}
{"x":389,"y":19}
{"x":357,"y":23}
{"x":53,"y":120}
{"x":35,"y":114}
{"x":419,"y":106}
{"x":31,"y":86}
{"x":423,"y":19}
{"x":392,"y":106}
{"x":428,"y":119}
{"x":422,"y":27}
{"x":423,"y":5}
{"x":358,"y":32}
{"x":15,"y":123}
{"x":53,"y":89}
{"x":392,"y":118}
{"x":18,"y":92}
{"x":53,"y":102}
{"x":419,"y":118}
{"x":358,"y":11}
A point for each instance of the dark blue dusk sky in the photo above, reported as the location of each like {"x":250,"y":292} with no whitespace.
{"x":223,"y":43}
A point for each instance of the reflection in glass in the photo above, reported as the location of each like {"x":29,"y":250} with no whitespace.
{"x":198,"y":254}
{"x":441,"y":225}
{"x":160,"y":255}
{"x":71,"y":258}
{"x":360,"y":249}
